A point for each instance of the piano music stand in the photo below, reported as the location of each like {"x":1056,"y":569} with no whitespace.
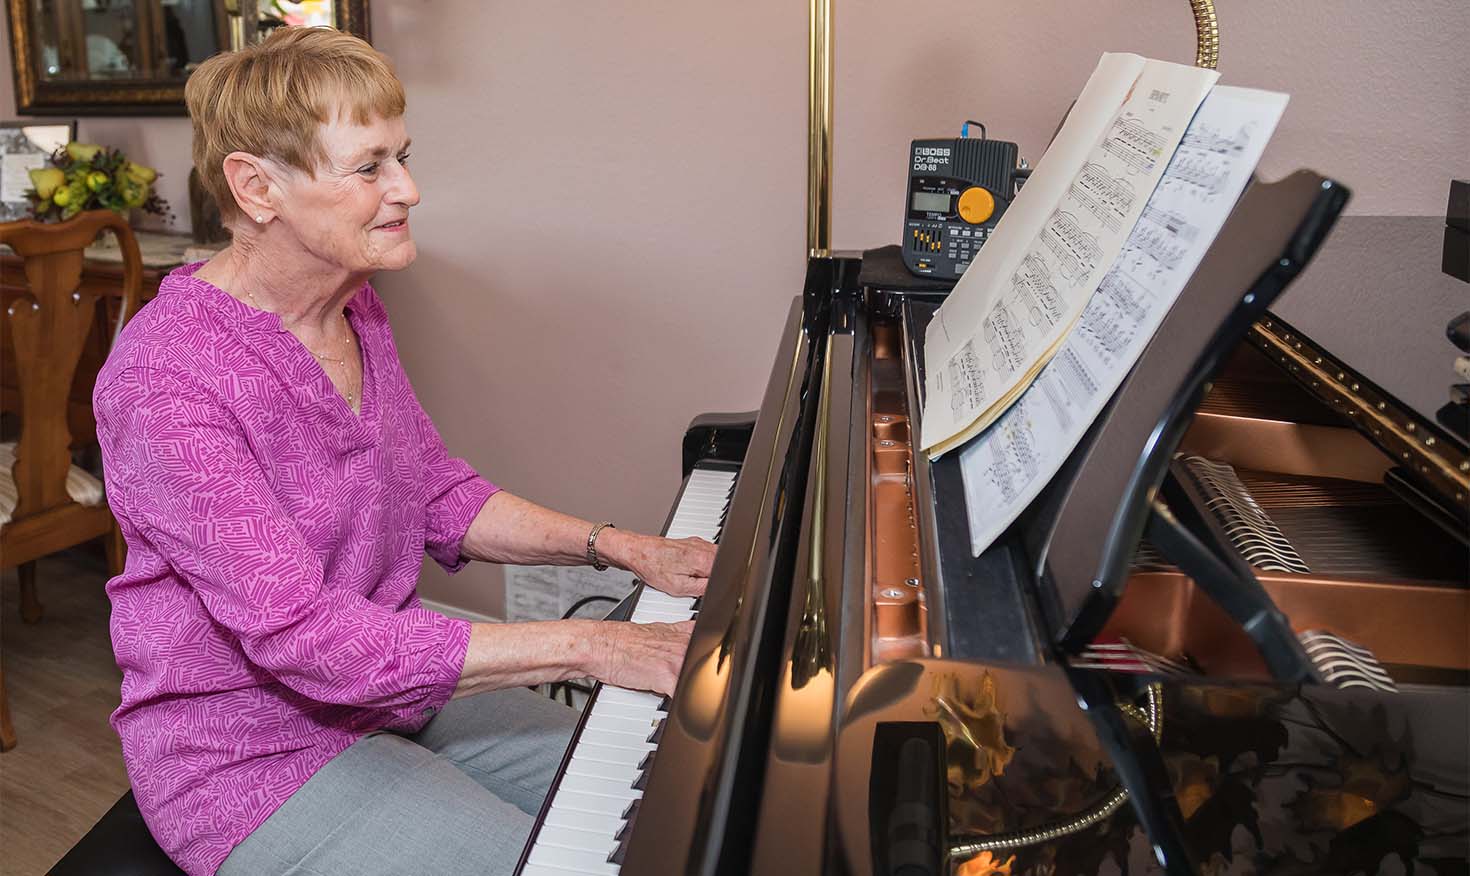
{"x":1115,"y":473}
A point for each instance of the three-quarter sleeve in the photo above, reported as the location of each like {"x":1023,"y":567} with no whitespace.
{"x":186,"y":477}
{"x":455,"y":494}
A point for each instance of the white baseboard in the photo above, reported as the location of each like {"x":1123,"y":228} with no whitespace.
{"x":452,"y":611}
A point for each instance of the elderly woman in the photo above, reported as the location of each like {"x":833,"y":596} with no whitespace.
{"x":287,"y":704}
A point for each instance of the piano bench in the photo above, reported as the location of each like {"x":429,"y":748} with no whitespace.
{"x":119,"y":844}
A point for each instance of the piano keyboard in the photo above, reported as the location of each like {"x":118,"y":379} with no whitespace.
{"x":586,"y":825}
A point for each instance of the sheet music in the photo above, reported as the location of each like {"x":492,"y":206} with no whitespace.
{"x":1007,"y":466}
{"x":1011,"y":310}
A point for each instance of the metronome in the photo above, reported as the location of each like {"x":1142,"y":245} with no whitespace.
{"x":958,"y":190}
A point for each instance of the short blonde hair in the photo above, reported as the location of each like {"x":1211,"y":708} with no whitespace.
{"x":270,"y":100}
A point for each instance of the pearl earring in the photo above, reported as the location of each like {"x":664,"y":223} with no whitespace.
{"x":259,"y":218}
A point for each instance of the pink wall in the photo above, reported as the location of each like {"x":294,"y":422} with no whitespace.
{"x":611,"y":228}
{"x":613,"y":193}
{"x":1379,"y":93}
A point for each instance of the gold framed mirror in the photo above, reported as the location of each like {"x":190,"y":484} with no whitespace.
{"x":131,"y":57}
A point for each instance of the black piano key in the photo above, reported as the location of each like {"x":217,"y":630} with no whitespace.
{"x":641,"y":783}
{"x":695,"y":607}
{"x":625,"y":833}
{"x":618,"y":853}
{"x":657,"y":734}
{"x":647,"y":762}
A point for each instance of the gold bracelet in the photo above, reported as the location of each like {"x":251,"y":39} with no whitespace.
{"x":592,"y":559}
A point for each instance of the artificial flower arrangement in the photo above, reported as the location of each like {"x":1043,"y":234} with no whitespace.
{"x":84,"y":176}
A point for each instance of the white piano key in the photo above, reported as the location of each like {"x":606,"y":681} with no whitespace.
{"x":597,"y":804}
{"x":660,"y":617}
{"x":614,"y":724}
{"x":700,"y":509}
{"x":649,"y":596}
{"x":697,"y":519}
{"x":596,"y":843}
{"x":661,"y":602}
{"x":543,"y":870}
{"x":666,"y":613}
{"x":694,"y":529}
{"x":577,"y":862}
{"x":697,"y":506}
{"x":562,"y":817}
{"x":645,"y":615}
{"x":609,"y":694}
{"x":619,"y":740}
{"x":592,"y":750}
{"x":705,"y":507}
{"x":624,"y":710}
{"x":602,"y":787}
{"x":596,"y":769}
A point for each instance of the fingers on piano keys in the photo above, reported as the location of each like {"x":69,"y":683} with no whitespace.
{"x":589,"y":822}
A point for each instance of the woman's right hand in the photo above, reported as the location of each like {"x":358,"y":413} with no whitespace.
{"x":641,"y":656}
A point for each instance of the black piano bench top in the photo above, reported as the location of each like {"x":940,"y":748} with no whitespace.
{"x":117,"y":845}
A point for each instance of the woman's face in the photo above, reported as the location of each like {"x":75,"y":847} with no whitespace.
{"x":353,"y":213}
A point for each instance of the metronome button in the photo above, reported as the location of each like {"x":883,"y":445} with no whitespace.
{"x":976,"y":205}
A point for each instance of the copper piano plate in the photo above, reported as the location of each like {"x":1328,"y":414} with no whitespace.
{"x":1382,"y":575}
{"x":1404,"y":623}
{"x":897,"y":614}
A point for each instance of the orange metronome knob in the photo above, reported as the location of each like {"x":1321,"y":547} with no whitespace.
{"x":976,"y":205}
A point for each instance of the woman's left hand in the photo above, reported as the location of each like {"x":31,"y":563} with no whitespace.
{"x":678,"y":567}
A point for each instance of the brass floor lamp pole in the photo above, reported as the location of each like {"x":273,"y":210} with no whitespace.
{"x":819,"y":129}
{"x":819,"y":109}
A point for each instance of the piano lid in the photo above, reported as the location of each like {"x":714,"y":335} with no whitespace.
{"x":1376,"y":298}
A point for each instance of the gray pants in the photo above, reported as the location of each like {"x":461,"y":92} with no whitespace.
{"x":459,"y":796}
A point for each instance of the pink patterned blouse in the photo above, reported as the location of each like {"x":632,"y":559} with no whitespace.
{"x":267,"y":617}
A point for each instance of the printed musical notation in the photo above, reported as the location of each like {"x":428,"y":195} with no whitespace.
{"x":1009,"y":463}
{"x":1200,"y":166}
{"x":1033,"y":291}
{"x":1006,"y":338}
{"x":967,"y":376}
{"x":1028,"y":286}
{"x":1074,"y":250}
{"x":1133,"y":142}
{"x":1013,"y":463}
{"x":1113,"y":316}
{"x":1106,"y":198}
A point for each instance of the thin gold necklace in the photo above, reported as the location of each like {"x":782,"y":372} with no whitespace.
{"x":346,"y":348}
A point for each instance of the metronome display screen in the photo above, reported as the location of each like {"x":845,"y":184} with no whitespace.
{"x":931,"y":202}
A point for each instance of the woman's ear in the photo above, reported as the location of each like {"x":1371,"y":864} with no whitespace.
{"x":250,"y":182}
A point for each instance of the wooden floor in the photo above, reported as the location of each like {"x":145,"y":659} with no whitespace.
{"x":66,"y":769}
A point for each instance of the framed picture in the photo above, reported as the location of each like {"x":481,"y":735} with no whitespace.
{"x":109,"y":57}
{"x":23,"y":147}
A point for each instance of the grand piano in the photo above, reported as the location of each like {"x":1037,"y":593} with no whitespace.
{"x":1230,"y":636}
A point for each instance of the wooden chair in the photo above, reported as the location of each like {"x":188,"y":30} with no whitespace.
{"x":57,"y":504}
